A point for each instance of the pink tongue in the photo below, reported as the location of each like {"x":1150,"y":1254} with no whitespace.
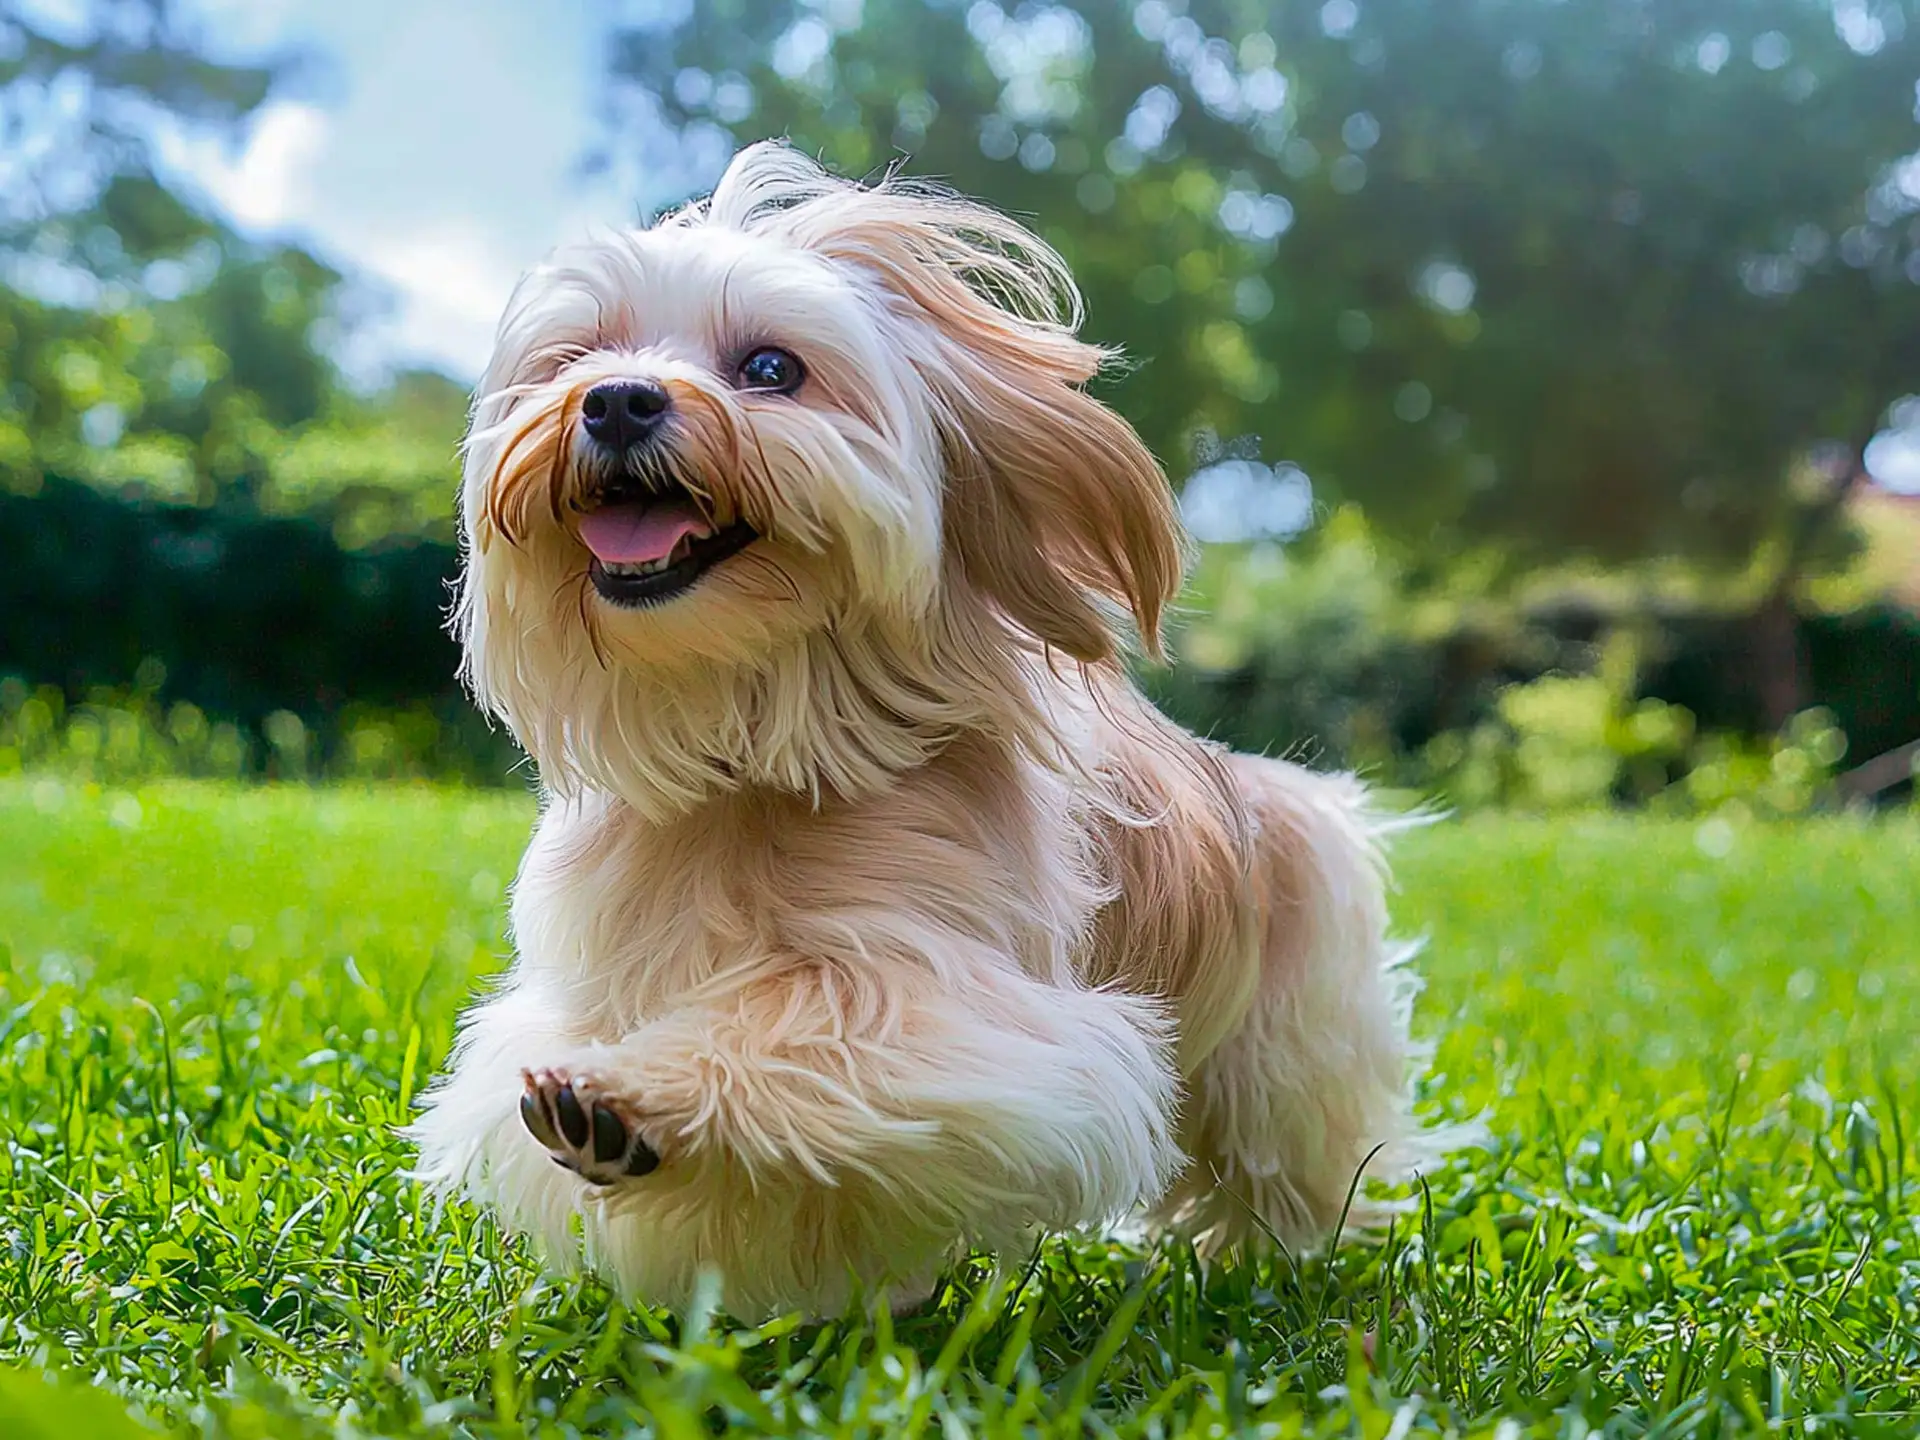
{"x":637,"y":534}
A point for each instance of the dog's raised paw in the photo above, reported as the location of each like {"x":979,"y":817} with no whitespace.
{"x":583,"y":1131}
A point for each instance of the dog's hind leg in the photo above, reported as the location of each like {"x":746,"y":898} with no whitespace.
{"x":1314,"y":1083}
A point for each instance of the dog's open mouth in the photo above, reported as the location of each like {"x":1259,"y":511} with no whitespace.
{"x":651,"y":548}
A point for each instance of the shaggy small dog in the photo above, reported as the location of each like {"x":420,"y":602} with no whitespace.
{"x":872,"y":913}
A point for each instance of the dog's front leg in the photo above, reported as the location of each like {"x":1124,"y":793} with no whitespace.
{"x":999,"y":1106}
{"x":470,"y":1131}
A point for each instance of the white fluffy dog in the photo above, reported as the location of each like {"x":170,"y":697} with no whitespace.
{"x":871,"y":913}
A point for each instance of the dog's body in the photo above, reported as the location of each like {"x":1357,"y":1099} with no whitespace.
{"x":871,"y":912}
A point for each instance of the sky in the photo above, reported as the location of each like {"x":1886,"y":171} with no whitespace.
{"x":431,"y":147}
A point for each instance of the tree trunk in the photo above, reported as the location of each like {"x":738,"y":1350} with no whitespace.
{"x":1780,"y":669}
{"x":1780,"y":660}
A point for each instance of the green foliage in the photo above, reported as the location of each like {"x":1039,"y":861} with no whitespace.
{"x":1785,"y":777}
{"x":376,"y":467}
{"x":232,"y":612}
{"x":1573,"y":742}
{"x":216,"y":1005}
{"x":121,"y":737}
{"x":35,"y":1407}
{"x":1566,"y":687}
{"x":219,"y":395}
{"x":142,"y":344}
{"x":1591,"y":277}
{"x":1315,"y":647}
{"x":1560,"y":742}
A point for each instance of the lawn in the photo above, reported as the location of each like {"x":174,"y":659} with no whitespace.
{"x":1694,"y":1043}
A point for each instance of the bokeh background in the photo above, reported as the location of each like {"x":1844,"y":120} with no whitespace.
{"x":1542,"y":378}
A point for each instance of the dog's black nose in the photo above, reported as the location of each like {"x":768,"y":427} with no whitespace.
{"x":619,"y":413}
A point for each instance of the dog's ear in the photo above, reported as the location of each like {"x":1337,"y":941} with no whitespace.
{"x":1053,"y":503}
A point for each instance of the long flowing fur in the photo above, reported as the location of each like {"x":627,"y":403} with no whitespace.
{"x":865,"y":884}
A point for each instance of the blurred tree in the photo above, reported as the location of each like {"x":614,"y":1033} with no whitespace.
{"x":1617,"y":278}
{"x":148,"y":347}
{"x":186,"y":396}
{"x":377,"y":465}
{"x":146,"y":343}
{"x":82,"y":89}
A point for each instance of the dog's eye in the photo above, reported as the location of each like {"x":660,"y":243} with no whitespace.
{"x":771,"y":369}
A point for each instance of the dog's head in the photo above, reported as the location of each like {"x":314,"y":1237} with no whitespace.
{"x":804,"y":460}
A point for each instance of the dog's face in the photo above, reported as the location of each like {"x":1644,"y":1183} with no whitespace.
{"x":802,"y":424}
{"x":702,"y":443}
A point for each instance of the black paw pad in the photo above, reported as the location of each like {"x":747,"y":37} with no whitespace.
{"x":580,"y":1133}
{"x":643,"y":1160}
{"x":610,"y":1142}
{"x":573,"y":1120}
{"x":534,"y":1117}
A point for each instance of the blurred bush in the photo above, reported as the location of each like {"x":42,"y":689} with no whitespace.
{"x":123,"y":736}
{"x":1317,"y":648}
{"x":148,"y":638}
{"x":244,"y":612}
{"x":1573,"y":689}
{"x":1570,"y":743}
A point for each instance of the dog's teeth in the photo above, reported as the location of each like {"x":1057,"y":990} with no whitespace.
{"x":681,"y":550}
{"x":640,"y":567}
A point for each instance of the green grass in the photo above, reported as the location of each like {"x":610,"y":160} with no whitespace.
{"x":1695,"y":1045}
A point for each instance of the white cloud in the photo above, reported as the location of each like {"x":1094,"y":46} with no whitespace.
{"x":1234,"y":500}
{"x":451,"y":287}
{"x":267,"y":184}
{"x":437,"y":156}
{"x":1893,"y":459}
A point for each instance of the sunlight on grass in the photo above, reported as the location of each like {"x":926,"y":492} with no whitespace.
{"x":1692,"y":1041}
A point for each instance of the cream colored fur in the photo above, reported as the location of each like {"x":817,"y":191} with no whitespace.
{"x":865,"y":885}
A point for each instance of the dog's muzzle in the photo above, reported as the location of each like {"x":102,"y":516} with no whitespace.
{"x":650,"y":537}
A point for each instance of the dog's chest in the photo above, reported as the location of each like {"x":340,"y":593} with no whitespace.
{"x":638,"y":919}
{"x":635,"y":919}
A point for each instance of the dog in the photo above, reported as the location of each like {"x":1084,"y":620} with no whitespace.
{"x":871,"y":913}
